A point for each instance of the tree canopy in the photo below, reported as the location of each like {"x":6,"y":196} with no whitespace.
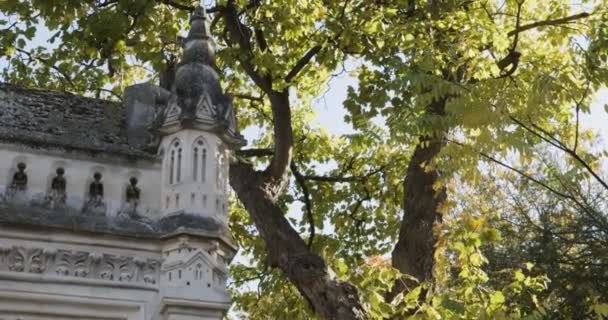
{"x":467,"y":189}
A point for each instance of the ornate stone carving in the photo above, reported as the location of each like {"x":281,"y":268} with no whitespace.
{"x":151,"y":271}
{"x":57,"y":195}
{"x":133,"y":192}
{"x":66,"y":263}
{"x":20,"y":259}
{"x":95,"y":204}
{"x":77,"y":264}
{"x":19,"y":182}
{"x":16,"y":193}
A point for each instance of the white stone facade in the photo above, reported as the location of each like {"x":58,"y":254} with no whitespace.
{"x":118,"y":211}
{"x":41,"y":165}
{"x":195,"y":167}
{"x":65,"y":275}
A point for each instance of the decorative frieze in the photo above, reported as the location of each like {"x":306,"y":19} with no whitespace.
{"x":66,"y":263}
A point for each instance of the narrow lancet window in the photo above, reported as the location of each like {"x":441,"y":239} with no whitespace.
{"x":200,"y":160}
{"x":174,"y":168}
{"x":179,"y":165}
{"x":171,"y":166}
{"x":203,"y":164}
{"x":195,"y":163}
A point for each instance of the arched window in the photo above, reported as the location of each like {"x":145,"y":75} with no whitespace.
{"x":175,"y":163}
{"x":199,"y":160}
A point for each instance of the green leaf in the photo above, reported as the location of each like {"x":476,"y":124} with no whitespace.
{"x":497,"y":298}
{"x":601,"y":309}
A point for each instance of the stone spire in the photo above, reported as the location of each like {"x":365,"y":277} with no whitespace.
{"x":197,"y":101}
{"x":198,"y":46}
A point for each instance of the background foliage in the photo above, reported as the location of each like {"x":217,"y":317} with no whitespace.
{"x":525,"y":229}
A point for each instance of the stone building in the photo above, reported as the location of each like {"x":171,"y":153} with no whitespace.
{"x":118,"y":211}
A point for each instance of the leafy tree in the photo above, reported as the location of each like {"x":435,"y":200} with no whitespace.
{"x":445,"y":87}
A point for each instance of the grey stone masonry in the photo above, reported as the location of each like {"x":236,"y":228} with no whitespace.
{"x":50,"y":118}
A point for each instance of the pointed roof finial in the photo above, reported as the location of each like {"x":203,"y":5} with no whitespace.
{"x":199,"y":24}
{"x":199,"y":46}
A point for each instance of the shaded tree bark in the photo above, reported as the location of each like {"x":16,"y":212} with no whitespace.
{"x":259,"y":190}
{"x":414,"y":252}
{"x":286,"y":250}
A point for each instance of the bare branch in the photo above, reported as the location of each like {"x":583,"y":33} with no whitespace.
{"x":578,"y":109}
{"x":107,"y":3}
{"x":248,"y":153}
{"x":248,"y":97}
{"x":549,"y":22}
{"x":177,"y":5}
{"x":307,"y":202}
{"x":547,"y":137}
{"x":344,"y":178}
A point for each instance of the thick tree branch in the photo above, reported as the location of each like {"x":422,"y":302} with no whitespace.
{"x":328,"y":297}
{"x":241,"y":35}
{"x":303,"y":62}
{"x":549,"y":22}
{"x":281,"y":110}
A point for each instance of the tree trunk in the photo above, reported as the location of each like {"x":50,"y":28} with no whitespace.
{"x":328,"y":297}
{"x":414,"y":252}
